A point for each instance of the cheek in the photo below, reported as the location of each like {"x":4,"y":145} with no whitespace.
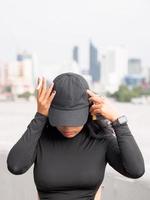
{"x":78,"y":129}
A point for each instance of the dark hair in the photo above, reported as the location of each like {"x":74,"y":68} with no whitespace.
{"x":99,"y":128}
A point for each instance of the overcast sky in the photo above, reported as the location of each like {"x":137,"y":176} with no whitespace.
{"x":51,"y":28}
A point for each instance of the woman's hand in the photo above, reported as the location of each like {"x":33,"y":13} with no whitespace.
{"x":101,"y":105}
{"x":44,"y":96}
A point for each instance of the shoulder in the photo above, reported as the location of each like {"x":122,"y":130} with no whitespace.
{"x":47,"y":131}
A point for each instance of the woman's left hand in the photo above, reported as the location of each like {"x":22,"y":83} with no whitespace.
{"x":101,"y":105}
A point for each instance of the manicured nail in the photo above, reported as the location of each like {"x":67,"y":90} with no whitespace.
{"x":93,"y":117}
{"x":39,"y":84}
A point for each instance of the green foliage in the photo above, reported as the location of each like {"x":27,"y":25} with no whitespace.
{"x":25,"y":95}
{"x":7,"y":88}
{"x":125,"y":94}
{"x":146,"y":92}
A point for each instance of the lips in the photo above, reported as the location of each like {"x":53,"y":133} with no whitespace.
{"x":68,"y":133}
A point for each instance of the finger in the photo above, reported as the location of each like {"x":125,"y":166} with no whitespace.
{"x":99,"y":106}
{"x":95,"y":106}
{"x":43,"y":87}
{"x":39,"y":82}
{"x":38,"y":88}
{"x":96,"y":99}
{"x":51,"y":97}
{"x":96,"y":111}
{"x":48,"y":93}
{"x":91,"y":93}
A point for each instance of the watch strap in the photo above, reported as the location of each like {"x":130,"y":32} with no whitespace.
{"x":118,"y":121}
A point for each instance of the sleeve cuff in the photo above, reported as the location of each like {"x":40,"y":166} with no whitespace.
{"x":122,"y":129}
{"x":40,"y":116}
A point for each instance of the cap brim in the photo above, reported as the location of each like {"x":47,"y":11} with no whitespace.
{"x":67,"y":117}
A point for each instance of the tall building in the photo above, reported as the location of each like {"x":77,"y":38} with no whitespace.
{"x":134,"y":66}
{"x":4,"y":74}
{"x":25,"y":67}
{"x":76,"y":54}
{"x":114,"y":68}
{"x":146,"y":73}
{"x":25,"y":73}
{"x":94,"y":64}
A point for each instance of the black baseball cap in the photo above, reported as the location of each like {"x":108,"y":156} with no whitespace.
{"x":70,"y":106}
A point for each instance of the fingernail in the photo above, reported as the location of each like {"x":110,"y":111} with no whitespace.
{"x":93,"y":117}
{"x":37,"y":80}
{"x":38,"y":83}
{"x":51,"y":84}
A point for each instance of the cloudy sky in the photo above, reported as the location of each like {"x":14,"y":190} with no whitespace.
{"x":51,"y":28}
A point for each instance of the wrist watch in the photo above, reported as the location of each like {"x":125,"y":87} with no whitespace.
{"x":120,"y":120}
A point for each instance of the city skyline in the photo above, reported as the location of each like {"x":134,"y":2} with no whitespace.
{"x":51,"y":29}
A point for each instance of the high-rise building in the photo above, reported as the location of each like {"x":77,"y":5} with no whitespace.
{"x":114,"y":68}
{"x":94,"y":64}
{"x":25,"y":67}
{"x":6,"y":73}
{"x":134,"y":66}
{"x":76,"y":54}
{"x":25,"y":72}
{"x":3,"y":74}
{"x":146,"y":73}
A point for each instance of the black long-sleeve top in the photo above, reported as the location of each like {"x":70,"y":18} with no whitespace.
{"x":73,"y":168}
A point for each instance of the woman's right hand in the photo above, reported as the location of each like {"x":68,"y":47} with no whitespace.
{"x":44,"y":96}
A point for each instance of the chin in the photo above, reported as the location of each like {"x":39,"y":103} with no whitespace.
{"x":69,"y":136}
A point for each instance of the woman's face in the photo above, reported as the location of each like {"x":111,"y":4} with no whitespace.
{"x":69,"y":131}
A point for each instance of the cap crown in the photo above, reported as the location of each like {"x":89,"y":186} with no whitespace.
{"x":70,"y":92}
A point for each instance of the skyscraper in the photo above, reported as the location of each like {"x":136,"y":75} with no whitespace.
{"x":134,"y":66}
{"x":76,"y":54}
{"x":25,"y":66}
{"x":114,"y":63}
{"x":94,"y":64}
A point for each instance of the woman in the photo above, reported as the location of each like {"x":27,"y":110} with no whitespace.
{"x":72,"y":137}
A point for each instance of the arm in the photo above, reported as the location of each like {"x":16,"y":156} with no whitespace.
{"x":123,"y":153}
{"x":23,"y":153}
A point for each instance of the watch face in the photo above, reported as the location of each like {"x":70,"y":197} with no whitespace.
{"x":122,"y":119}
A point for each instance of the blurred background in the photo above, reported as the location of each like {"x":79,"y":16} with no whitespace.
{"x":107,"y":42}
